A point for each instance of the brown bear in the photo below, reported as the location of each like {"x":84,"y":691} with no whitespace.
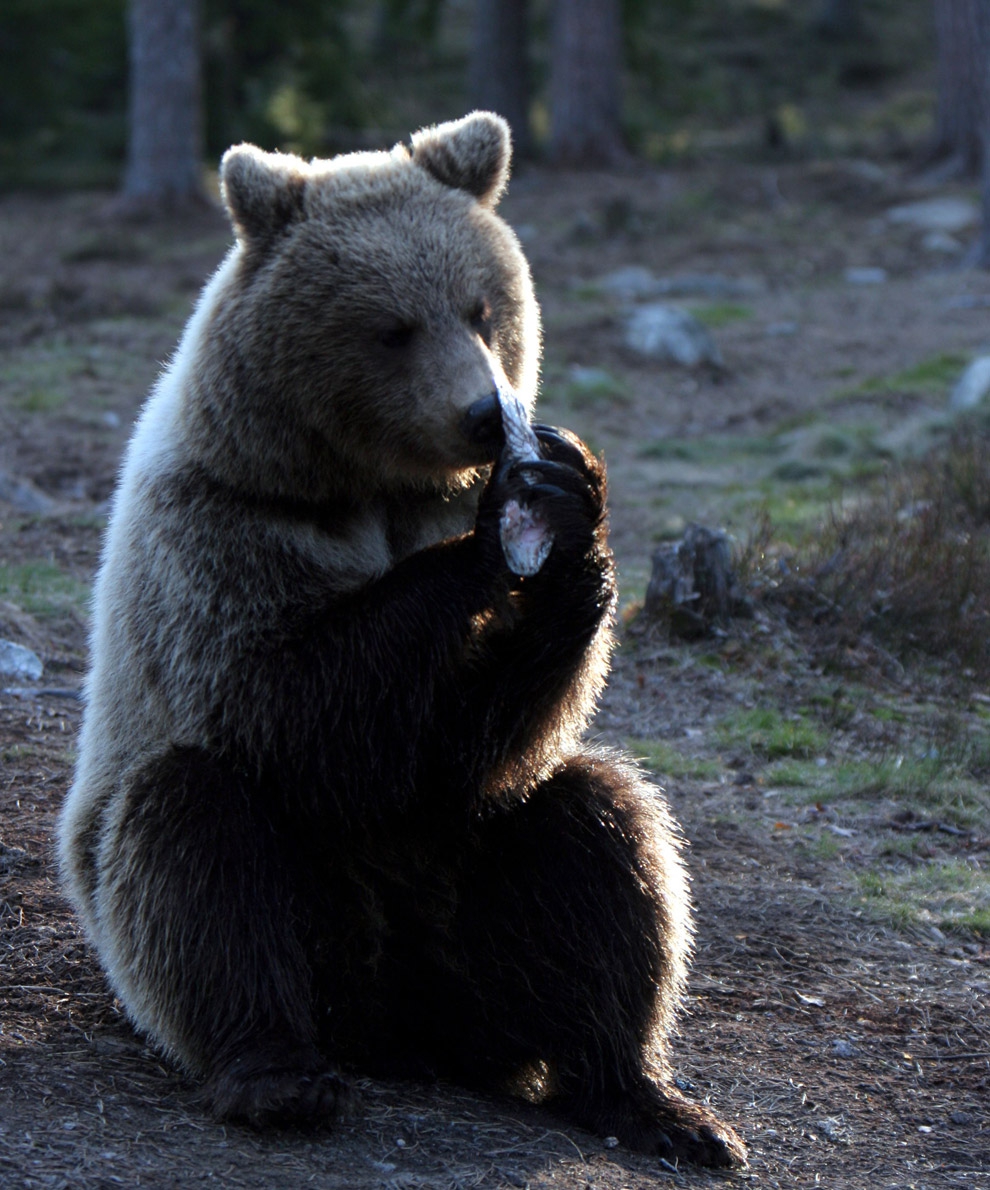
{"x":332,"y":807}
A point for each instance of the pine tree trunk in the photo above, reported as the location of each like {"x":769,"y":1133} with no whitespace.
{"x":586,"y":83}
{"x":961,"y":29}
{"x":838,"y":19}
{"x":499,"y":78}
{"x":164,"y":161}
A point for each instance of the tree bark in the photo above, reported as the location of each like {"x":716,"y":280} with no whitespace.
{"x":838,"y":19}
{"x":165,"y":133}
{"x":586,"y":83}
{"x":499,"y":70}
{"x":961,"y":36}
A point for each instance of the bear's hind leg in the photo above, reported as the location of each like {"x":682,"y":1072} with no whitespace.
{"x":575,"y":930}
{"x":201,"y":941}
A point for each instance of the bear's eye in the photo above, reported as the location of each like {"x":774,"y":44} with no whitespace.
{"x":401,"y":334}
{"x":480,"y":319}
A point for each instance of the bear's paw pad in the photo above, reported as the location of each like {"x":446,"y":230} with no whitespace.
{"x":526,"y":539}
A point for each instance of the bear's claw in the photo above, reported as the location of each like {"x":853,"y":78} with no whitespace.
{"x":283,"y":1097}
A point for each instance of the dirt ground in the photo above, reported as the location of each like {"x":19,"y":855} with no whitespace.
{"x":850,"y":1048}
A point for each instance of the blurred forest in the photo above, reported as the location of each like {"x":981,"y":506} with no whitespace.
{"x":319,"y":76}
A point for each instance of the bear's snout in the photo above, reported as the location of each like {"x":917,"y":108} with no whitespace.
{"x":482,"y":424}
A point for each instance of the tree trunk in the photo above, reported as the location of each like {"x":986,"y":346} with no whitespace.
{"x":586,"y":83}
{"x":961,"y":29}
{"x":164,"y":159}
{"x":499,"y":78}
{"x":838,"y":19}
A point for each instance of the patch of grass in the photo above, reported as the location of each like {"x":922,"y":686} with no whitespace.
{"x":590,"y":388}
{"x":713,"y":448}
{"x":667,"y":761}
{"x":111,"y":243}
{"x":951,"y":894}
{"x":719,"y":314}
{"x":770,"y":733}
{"x":826,"y":846}
{"x":928,"y":786}
{"x":15,"y":752}
{"x":43,"y":589}
{"x":795,"y":510}
{"x":930,"y":376}
{"x":39,"y":400}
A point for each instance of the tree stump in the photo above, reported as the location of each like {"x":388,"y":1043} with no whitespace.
{"x":692,"y":585}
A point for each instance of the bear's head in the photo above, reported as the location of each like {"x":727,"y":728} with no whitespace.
{"x":372,"y":301}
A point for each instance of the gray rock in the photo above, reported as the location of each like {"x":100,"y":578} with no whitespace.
{"x":942,"y":243}
{"x":590,"y":379}
{"x":632,"y":283}
{"x":18,"y":662}
{"x":637,"y":283}
{"x":777,"y":330}
{"x":669,"y":333}
{"x":23,"y":495}
{"x":709,"y":285}
{"x":937,"y":214}
{"x":973,"y":385}
{"x":866,"y":276}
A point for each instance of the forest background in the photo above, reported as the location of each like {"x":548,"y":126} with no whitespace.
{"x":799,"y":183}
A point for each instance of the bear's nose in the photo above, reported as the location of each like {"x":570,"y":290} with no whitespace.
{"x":482,"y":424}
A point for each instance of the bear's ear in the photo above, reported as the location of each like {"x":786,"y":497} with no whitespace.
{"x":262,"y":191}
{"x":471,"y":154}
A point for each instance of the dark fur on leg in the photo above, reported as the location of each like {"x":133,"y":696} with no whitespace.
{"x":573,"y":934}
{"x":213,"y":951}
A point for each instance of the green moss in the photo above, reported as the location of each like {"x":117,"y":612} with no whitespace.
{"x":951,"y":894}
{"x":39,"y":400}
{"x":43,"y":589}
{"x":930,"y":376}
{"x":667,"y":761}
{"x":718,"y":314}
{"x":770,"y":733}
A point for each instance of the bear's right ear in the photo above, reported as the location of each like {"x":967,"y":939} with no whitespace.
{"x":262,"y":191}
{"x":472,"y":154}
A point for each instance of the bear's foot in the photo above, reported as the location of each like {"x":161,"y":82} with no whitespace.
{"x":306,"y":1094}
{"x":664,"y":1124}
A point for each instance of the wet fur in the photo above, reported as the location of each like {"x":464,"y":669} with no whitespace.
{"x":331,"y":805}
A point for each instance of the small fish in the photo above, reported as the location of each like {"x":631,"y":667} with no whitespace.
{"x":526,"y":538}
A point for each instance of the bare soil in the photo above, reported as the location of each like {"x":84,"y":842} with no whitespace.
{"x":849,"y":1052}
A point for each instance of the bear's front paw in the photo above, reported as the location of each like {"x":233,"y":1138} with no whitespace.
{"x":561,"y":502}
{"x":561,"y":446}
{"x":303,"y":1098}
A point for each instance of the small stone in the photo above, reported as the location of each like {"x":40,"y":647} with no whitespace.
{"x":942,"y":243}
{"x":937,"y":214}
{"x":18,"y":662}
{"x":631,"y":283}
{"x":590,"y":379}
{"x":833,"y":1130}
{"x":842,"y":1048}
{"x":24,"y":496}
{"x":610,"y":1142}
{"x":866,"y":276}
{"x":712,"y":286}
{"x":973,"y":385}
{"x":671,"y":334}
